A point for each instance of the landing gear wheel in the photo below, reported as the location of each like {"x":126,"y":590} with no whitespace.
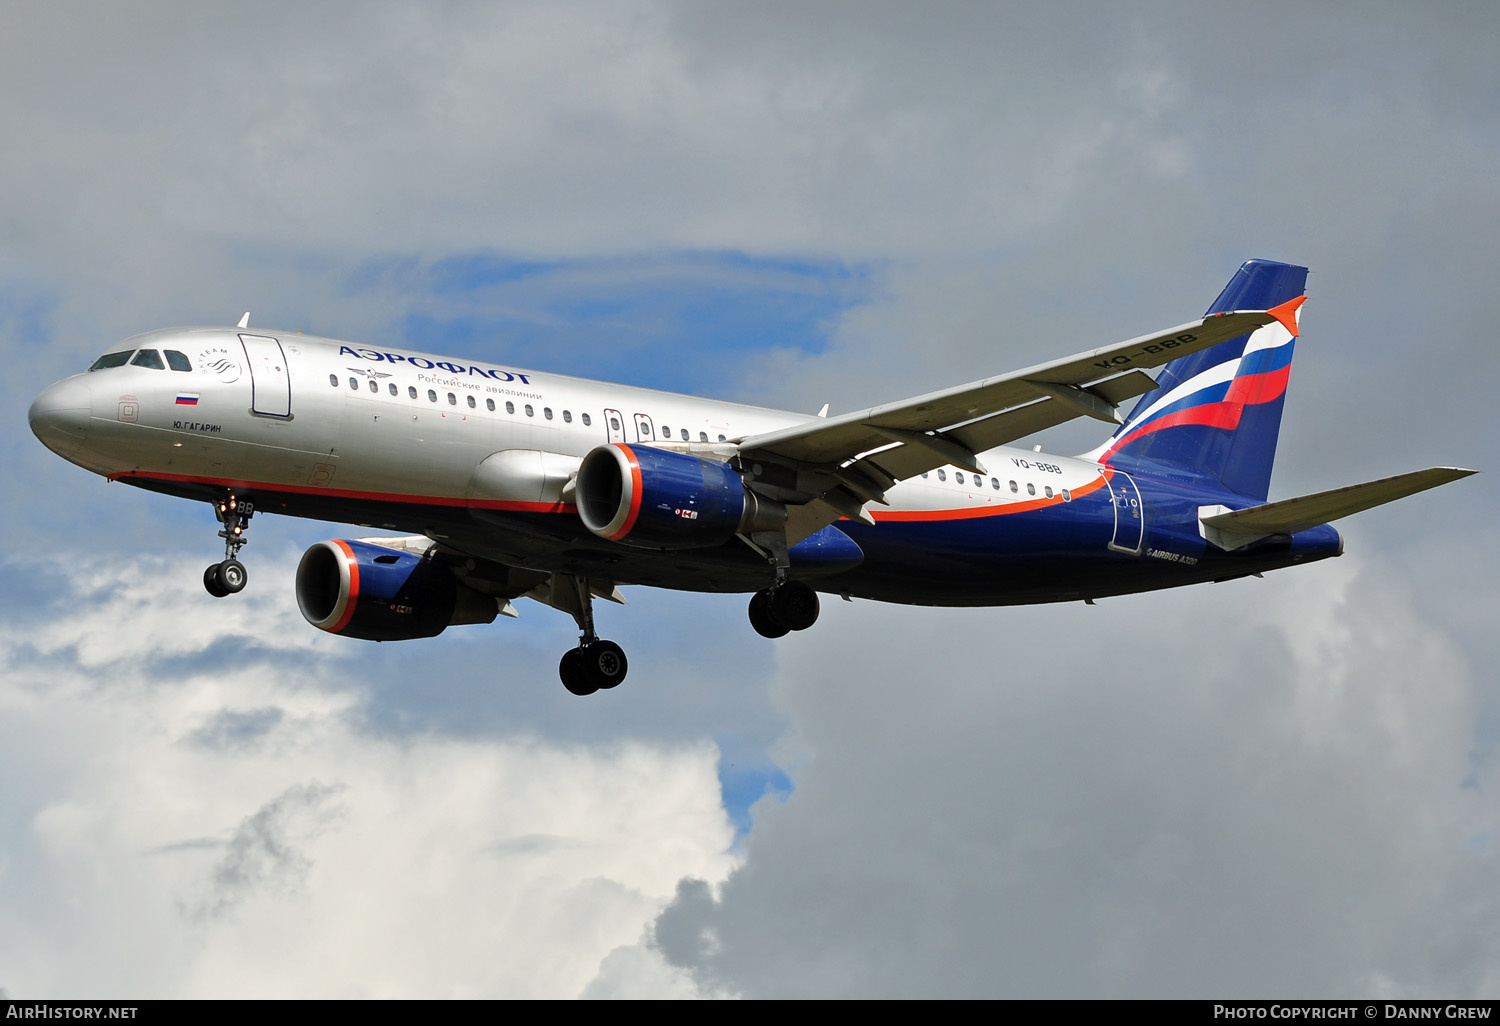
{"x":574,"y":674}
{"x":232,"y":576}
{"x":794,"y":605}
{"x":605,"y":663}
{"x":761,"y":619}
{"x":211,"y":582}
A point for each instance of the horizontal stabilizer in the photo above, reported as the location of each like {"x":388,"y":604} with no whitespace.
{"x":1291,"y":515}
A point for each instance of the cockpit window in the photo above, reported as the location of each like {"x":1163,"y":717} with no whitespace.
{"x":111,"y":360}
{"x":148,"y":358}
{"x":178,"y":361}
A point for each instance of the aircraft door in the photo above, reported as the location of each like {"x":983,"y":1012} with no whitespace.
{"x":615,"y":425}
{"x":270,"y":382}
{"x":1130,"y":516}
{"x":644,"y":432}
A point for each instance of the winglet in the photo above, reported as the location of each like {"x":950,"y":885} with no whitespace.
{"x":244,"y":321}
{"x":1288,"y":313}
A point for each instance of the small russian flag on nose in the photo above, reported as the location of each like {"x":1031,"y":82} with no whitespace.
{"x":187,"y":400}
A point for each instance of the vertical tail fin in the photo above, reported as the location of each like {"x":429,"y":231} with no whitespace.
{"x":1217,"y":414}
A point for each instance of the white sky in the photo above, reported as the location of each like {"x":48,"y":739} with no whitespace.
{"x":1263,"y":788}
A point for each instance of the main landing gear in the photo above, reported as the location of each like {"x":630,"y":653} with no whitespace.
{"x":596,"y":664}
{"x":230,"y":576}
{"x":784,"y":607}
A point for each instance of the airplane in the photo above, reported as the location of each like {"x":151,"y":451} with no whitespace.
{"x":511,"y":483}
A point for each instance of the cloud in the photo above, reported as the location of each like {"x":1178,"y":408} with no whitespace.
{"x":1235,"y":790}
{"x":236,"y":833}
{"x":1265,"y":787}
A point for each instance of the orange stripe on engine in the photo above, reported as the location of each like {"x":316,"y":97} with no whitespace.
{"x":353,"y":564}
{"x":635,"y":492}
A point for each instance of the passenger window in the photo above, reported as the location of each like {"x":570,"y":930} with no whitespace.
{"x":452,"y":399}
{"x":111,"y":360}
{"x":529,"y":411}
{"x":333,"y":379}
{"x":411,"y":391}
{"x":393,"y":388}
{"x":354,"y":383}
{"x":958,"y":475}
{"x":614,"y":424}
{"x":489,"y":404}
{"x":1013,"y":487}
{"x":666,"y":433}
{"x":148,"y":358}
{"x":1048,"y":490}
{"x":1067,"y":495}
{"x":178,"y":361}
{"x":995,"y":483}
{"x":547,"y":412}
{"x":471,"y":402}
{"x":723,"y":439}
{"x":1030,"y":488}
{"x":683,"y":433}
{"x":431,"y":396}
{"x":586,"y":420}
{"x":374,"y":386}
{"x":702,"y":436}
{"x":567,"y":417}
{"x":510,"y":407}
{"x":924,"y":474}
{"x":942,"y":475}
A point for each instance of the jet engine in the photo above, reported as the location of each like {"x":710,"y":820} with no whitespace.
{"x":660,"y":499}
{"x":363,"y":590}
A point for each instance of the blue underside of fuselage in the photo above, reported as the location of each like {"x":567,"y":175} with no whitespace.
{"x":1063,"y":552}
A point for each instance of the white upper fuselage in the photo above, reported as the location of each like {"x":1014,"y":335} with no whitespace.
{"x":311,"y":414}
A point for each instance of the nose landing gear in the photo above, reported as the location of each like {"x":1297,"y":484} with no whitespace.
{"x":230,"y":576}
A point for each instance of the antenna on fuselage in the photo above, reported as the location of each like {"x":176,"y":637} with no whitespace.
{"x":824,"y":411}
{"x":244,"y":321}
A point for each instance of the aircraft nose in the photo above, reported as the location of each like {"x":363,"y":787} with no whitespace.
{"x":59,"y":417}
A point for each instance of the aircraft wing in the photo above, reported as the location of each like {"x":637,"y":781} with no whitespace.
{"x":1287,"y":516}
{"x":865,"y":452}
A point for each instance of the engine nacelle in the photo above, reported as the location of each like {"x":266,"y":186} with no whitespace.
{"x":363,"y":590}
{"x":660,"y":499}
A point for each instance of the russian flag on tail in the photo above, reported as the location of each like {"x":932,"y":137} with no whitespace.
{"x":1217,"y":413}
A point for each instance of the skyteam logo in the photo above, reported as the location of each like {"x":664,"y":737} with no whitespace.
{"x":219,"y":362}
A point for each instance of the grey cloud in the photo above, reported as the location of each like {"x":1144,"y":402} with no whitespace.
{"x":530,"y":844}
{"x":263,"y":854}
{"x":236,"y":727}
{"x":1237,"y":791}
{"x":1164,"y":795}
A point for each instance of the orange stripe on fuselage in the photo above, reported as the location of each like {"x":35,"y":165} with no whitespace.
{"x":892,"y":516}
{"x":974,"y":512}
{"x":509,"y":505}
